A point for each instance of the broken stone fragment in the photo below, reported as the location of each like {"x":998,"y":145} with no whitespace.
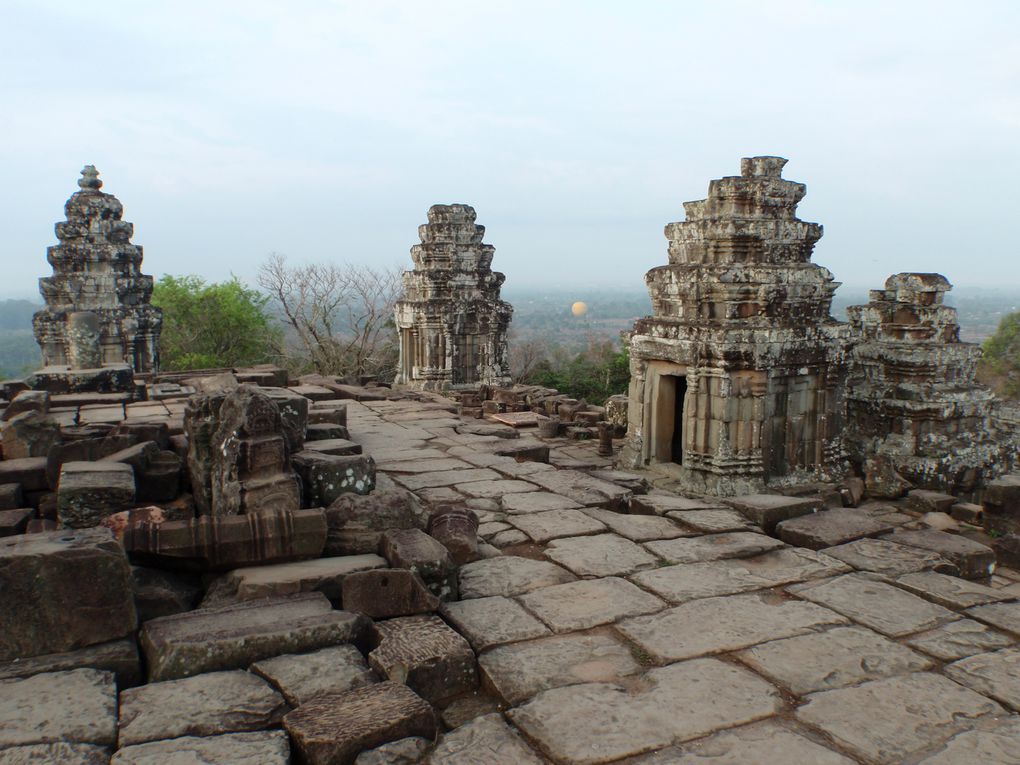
{"x":1001,"y":500}
{"x":235,"y":636}
{"x":300,"y":678}
{"x":356,"y":522}
{"x":27,"y":401}
{"x":882,"y":481}
{"x":1007,"y":550}
{"x":29,"y":434}
{"x":325,"y":477}
{"x":63,"y":590}
{"x":334,"y":728}
{"x":457,"y":530}
{"x":767,"y":510}
{"x":415,"y":550}
{"x":220,"y":543}
{"x":89,"y":491}
{"x":158,"y":592}
{"x":426,"y":654}
{"x":385,"y":593}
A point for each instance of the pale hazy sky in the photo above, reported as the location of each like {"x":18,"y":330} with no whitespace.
{"x":324,"y":130}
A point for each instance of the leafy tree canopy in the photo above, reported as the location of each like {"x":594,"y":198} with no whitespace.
{"x":224,"y":324}
{"x":1000,"y":366}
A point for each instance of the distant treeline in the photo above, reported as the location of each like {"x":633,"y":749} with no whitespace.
{"x":17,"y":314}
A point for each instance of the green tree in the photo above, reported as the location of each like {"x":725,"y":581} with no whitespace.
{"x":213,"y":325}
{"x":1000,"y":365}
{"x":594,"y":374}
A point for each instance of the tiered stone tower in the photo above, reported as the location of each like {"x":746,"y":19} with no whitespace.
{"x":736,"y":380}
{"x":451,"y":320}
{"x":912,"y":397}
{"x":97,"y":287}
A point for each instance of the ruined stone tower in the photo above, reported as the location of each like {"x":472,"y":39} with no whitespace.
{"x":451,"y":320}
{"x":736,"y":379}
{"x":912,"y":398}
{"x":97,"y":288}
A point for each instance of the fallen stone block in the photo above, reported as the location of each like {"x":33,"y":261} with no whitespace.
{"x":966,"y":512}
{"x":235,"y":636}
{"x":1001,"y":501}
{"x":118,"y":523}
{"x":78,"y":706}
{"x":457,"y":530}
{"x":339,"y":446}
{"x":324,"y":477}
{"x":333,"y":729}
{"x":325,"y":575}
{"x":300,"y":678}
{"x":27,"y":401}
{"x":62,"y":590}
{"x":145,"y":429}
{"x":119,"y":657}
{"x":830,"y":528}
{"x":767,"y":510}
{"x":14,"y":522}
{"x":584,"y":489}
{"x":356,"y":523}
{"x":522,"y":450}
{"x":204,"y":705}
{"x":29,"y":434}
{"x":1007,"y":550}
{"x":294,"y":413}
{"x":219,"y":543}
{"x":426,"y":654}
{"x":11,"y":496}
{"x":65,"y":754}
{"x":29,"y":472}
{"x":327,"y":413}
{"x":924,"y":501}
{"x":269,"y":747}
{"x":415,"y":550}
{"x":323,"y":431}
{"x":158,"y":592}
{"x":89,"y":491}
{"x":385,"y":593}
{"x":89,"y":449}
{"x":882,"y":481}
{"x":486,"y":740}
{"x":973,"y":559}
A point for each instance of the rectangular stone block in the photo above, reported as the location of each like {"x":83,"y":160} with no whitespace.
{"x":63,"y":590}
{"x":1001,"y":500}
{"x":767,"y":510}
{"x":235,"y":636}
{"x":973,"y":559}
{"x":11,"y":497}
{"x":426,"y":654}
{"x":220,"y":543}
{"x":15,"y":521}
{"x":325,"y":477}
{"x":29,"y":472}
{"x":79,"y":706}
{"x":89,"y":491}
{"x":119,"y":657}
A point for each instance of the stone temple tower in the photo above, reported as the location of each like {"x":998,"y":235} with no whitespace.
{"x":451,"y":320}
{"x":736,"y":380}
{"x":97,"y":287}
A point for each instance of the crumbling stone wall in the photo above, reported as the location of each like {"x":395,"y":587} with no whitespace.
{"x":737,"y":377}
{"x":96,"y":270}
{"x":451,"y":319}
{"x":912,"y":397}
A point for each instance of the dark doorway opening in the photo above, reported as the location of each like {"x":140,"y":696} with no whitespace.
{"x":677,"y":440}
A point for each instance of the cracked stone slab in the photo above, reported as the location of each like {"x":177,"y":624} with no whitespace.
{"x":589,"y":603}
{"x":889,"y":720}
{"x":681,"y":583}
{"x":410,"y":464}
{"x":638,"y":528}
{"x":995,"y":744}
{"x":949,"y":591}
{"x":519,"y":671}
{"x":582,"y":488}
{"x":495,"y":620}
{"x":883,"y":607}
{"x":1005,"y":616}
{"x":57,"y":752}
{"x":973,"y":559}
{"x":600,"y":555}
{"x":832,"y":659}
{"x":498,"y":488}
{"x":959,"y":639}
{"x":660,"y":504}
{"x":75,"y":706}
{"x":883,"y":557}
{"x":203,"y":705}
{"x":767,"y":510}
{"x":509,"y":575}
{"x":764,"y":743}
{"x":830,"y":528}
{"x":994,"y":674}
{"x":444,"y":478}
{"x":601,"y":722}
{"x":739,"y":544}
{"x":718,"y":625}
{"x":713,"y":521}
{"x":301,"y":677}
{"x":542,"y":527}
{"x":537,"y":502}
{"x":269,"y":747}
{"x":486,"y":740}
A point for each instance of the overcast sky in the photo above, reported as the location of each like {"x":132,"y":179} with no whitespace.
{"x":324,"y":130}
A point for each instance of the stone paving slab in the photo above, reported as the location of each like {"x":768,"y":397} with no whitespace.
{"x":491,"y":621}
{"x":412,"y":465}
{"x":1004,"y":616}
{"x":767,"y":510}
{"x":582,"y":488}
{"x":958,"y":639}
{"x":497,"y":488}
{"x":660,"y":504}
{"x":881,"y":606}
{"x":994,"y":674}
{"x":486,"y":740}
{"x":600,"y":555}
{"x":739,"y":544}
{"x":509,"y":575}
{"x":75,"y":706}
{"x":886,"y":721}
{"x":994,"y":744}
{"x":638,"y":528}
{"x":537,"y":502}
{"x":832,"y":659}
{"x":830,"y":528}
{"x":764,"y":743}
{"x":684,"y":582}
{"x":601,"y":722}
{"x":590,"y":603}
{"x":718,"y":625}
{"x":57,"y":752}
{"x":259,"y":748}
{"x":542,"y":527}
{"x":973,"y":559}
{"x":949,"y":591}
{"x":519,"y":671}
{"x":444,"y":478}
{"x":713,"y":521}
{"x":301,"y":677}
{"x":883,"y":557}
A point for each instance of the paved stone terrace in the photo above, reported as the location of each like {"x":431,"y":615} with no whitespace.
{"x":687,"y":635}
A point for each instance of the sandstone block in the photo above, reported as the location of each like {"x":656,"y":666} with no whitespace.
{"x":956,"y":640}
{"x":582,"y":488}
{"x":425,"y":654}
{"x":638,"y":528}
{"x":660,"y":504}
{"x":508,"y":575}
{"x":259,"y":748}
{"x":29,"y":434}
{"x":27,"y":401}
{"x":1004,"y":616}
{"x":589,"y":603}
{"x":63,"y":590}
{"x":333,"y":729}
{"x":356,"y":523}
{"x":339,"y":445}
{"x":11,"y":496}
{"x":302,"y":677}
{"x":973,"y":559}
{"x":990,"y":745}
{"x":486,"y":740}
{"x":77,"y":706}
{"x":65,"y":754}
{"x":325,"y":477}
{"x":327,"y":431}
{"x":385,"y":593}
{"x":600,"y":555}
{"x":203,"y":705}
{"x":29,"y":472}
{"x":949,"y":591}
{"x":880,"y":556}
{"x":119,"y":657}
{"x":542,"y":527}
{"x":1001,"y":501}
{"x":1007,"y":550}
{"x":415,"y":550}
{"x":14,"y":522}
{"x":486,"y":622}
{"x":404,"y":751}
{"x":882,"y":481}
{"x":830,"y":528}
{"x":767,"y":510}
{"x":924,"y":501}
{"x":994,"y":674}
{"x":89,"y":491}
{"x":738,"y":544}
{"x":233,"y":637}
